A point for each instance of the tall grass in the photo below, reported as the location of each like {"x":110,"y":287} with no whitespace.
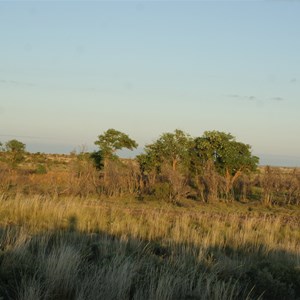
{"x":82,"y":249}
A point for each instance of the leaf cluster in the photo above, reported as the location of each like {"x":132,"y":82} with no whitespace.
{"x":15,"y":150}
{"x":180,"y":149}
{"x":227,"y":154}
{"x":112,"y":140}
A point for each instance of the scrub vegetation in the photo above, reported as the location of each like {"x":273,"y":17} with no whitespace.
{"x":190,"y":218}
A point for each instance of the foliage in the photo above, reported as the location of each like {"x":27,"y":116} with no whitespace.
{"x":197,"y":160}
{"x":15,"y":146}
{"x":149,"y":162}
{"x":230,"y":158}
{"x":112,"y":140}
{"x":97,"y":158}
{"x":41,"y":169}
{"x":214,"y":167}
{"x":165,"y":165}
{"x":109,"y":142}
{"x":16,"y":151}
{"x":170,"y":148}
{"x":226,"y":153}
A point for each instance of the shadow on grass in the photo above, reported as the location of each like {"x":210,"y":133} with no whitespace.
{"x":69,"y":264}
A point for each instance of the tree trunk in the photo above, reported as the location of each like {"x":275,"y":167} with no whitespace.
{"x":230,"y":180}
{"x":174,"y":164}
{"x":105,"y":166}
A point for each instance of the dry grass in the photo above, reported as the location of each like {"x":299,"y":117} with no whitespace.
{"x":83,"y":249}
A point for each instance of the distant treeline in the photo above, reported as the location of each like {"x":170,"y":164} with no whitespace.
{"x":213,"y":167}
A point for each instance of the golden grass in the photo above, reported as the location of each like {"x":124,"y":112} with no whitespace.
{"x":86,"y":249}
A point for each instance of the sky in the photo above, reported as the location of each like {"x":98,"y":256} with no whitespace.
{"x":69,"y":70}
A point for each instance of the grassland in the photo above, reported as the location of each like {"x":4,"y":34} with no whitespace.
{"x":75,"y":248}
{"x":70,"y":231}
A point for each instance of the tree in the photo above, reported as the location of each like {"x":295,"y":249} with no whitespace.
{"x":16,"y":150}
{"x":227,"y":154}
{"x":231,"y":158}
{"x":171,"y":148}
{"x":109,"y":142}
{"x":211,"y":147}
{"x":149,"y":165}
{"x":169,"y":158}
{"x":112,"y":140}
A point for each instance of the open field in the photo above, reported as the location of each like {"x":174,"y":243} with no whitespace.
{"x":70,"y":231}
{"x":72,"y":248}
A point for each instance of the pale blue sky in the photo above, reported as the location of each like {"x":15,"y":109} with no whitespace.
{"x":71,"y":70}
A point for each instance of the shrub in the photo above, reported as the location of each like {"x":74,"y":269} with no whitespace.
{"x":40,"y":169}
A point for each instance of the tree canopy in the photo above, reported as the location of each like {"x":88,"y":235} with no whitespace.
{"x":178,"y":148}
{"x":227,"y":154}
{"x":170,"y":148}
{"x":16,"y":150}
{"x":15,"y":146}
{"x":112,"y":140}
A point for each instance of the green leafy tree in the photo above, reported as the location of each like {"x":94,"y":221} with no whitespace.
{"x":231,"y":158}
{"x":170,"y":148}
{"x":16,"y":151}
{"x":211,"y":146}
{"x":109,"y":142}
{"x":169,"y":158}
{"x":150,"y":166}
{"x":112,"y":140}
